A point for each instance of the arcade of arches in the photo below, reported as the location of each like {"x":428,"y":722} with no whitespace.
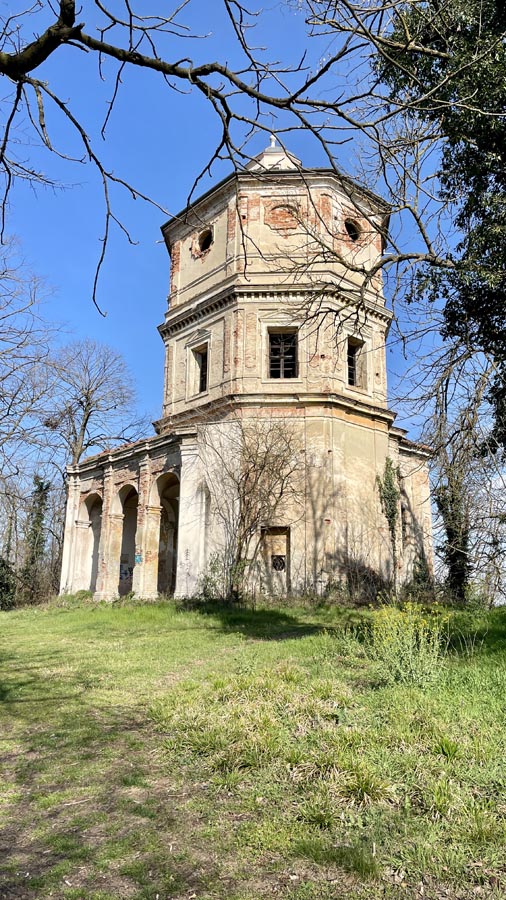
{"x":124,"y":528}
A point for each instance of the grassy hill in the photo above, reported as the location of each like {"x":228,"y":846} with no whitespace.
{"x":150,"y":752}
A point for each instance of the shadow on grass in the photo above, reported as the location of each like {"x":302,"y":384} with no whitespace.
{"x":87,"y":810}
{"x":28,"y":685}
{"x":482,"y":634}
{"x":355,"y":857}
{"x":260,"y":624}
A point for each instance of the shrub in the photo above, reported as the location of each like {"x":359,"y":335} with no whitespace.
{"x":7,"y":585}
{"x":421,"y":588}
{"x":408,"y":643}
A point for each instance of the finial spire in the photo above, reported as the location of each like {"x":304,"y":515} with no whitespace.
{"x":273,"y":140}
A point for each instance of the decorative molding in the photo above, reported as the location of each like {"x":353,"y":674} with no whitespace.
{"x":201,"y":336}
{"x":182,"y":318}
{"x":221,"y":407}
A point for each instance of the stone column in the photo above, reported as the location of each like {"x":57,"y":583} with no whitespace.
{"x":190,"y":522}
{"x":147,"y":538}
{"x":145,"y":580}
{"x":71,"y":514}
{"x":81,"y":577}
{"x":109,"y":550}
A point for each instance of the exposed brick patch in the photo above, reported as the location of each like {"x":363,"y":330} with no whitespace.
{"x":281,"y":216}
{"x":226,"y":347}
{"x":237,"y":339}
{"x":231,"y":220}
{"x":251,"y":341}
{"x":175,"y":265}
{"x":254,"y":208}
{"x":326,"y":208}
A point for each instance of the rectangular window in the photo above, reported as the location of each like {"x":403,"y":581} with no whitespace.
{"x":202,"y":362}
{"x":355,"y":363}
{"x":275,"y":553}
{"x":282,"y":354}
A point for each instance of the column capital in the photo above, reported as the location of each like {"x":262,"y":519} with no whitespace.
{"x":153,"y":510}
{"x":145,"y":460}
{"x":188,"y":447}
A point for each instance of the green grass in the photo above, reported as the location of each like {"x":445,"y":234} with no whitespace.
{"x":151,"y":752}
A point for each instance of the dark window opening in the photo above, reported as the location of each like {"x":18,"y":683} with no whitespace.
{"x":353,"y":359}
{"x":352,"y":230}
{"x":278,"y":563}
{"x":202,"y":360}
{"x":282,"y":354}
{"x":205,"y":240}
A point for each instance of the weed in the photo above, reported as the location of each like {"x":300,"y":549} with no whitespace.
{"x":408,"y":644}
{"x":447,"y":748}
{"x":443,"y":797}
{"x":365,"y":786}
{"x":320,"y":810}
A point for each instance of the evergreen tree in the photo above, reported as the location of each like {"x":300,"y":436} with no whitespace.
{"x":31,"y":575}
{"x":7,"y":579}
{"x":7,"y":584}
{"x":457,"y":79}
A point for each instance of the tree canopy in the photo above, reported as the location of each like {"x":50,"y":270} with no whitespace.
{"x":461,"y":88}
{"x":417,"y":83}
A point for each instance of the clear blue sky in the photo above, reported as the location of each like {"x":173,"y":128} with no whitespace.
{"x":158,"y":140}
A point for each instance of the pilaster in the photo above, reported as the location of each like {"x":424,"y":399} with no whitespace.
{"x":109,"y":550}
{"x":190,"y":530}
{"x":81,"y":568}
{"x":147,"y":538}
{"x":146,"y":569}
{"x":72,"y":511}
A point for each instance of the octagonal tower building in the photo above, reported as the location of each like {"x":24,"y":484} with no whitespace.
{"x":275,"y":430}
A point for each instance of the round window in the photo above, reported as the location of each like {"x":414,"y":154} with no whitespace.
{"x":205,"y":240}
{"x":353,"y":229}
{"x":278,"y":563}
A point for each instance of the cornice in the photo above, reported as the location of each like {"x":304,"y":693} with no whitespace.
{"x":278,"y":176}
{"x":127,"y":452}
{"x":217,"y":408}
{"x":194,"y":311}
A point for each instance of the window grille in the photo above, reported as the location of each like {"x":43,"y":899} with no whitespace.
{"x":282,"y":354}
{"x":355,"y":363}
{"x":202,"y":358}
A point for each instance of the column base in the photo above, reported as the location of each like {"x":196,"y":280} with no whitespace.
{"x":103,"y":596}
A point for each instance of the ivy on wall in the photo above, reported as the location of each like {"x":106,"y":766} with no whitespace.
{"x":389,"y":492}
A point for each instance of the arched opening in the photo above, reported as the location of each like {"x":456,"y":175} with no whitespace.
{"x":167,"y":489}
{"x":88,"y":537}
{"x":353,"y":229}
{"x":205,"y":239}
{"x":95,"y":514}
{"x":129,"y":499}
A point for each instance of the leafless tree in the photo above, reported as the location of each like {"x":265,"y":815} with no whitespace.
{"x":91,"y":404}
{"x":24,"y":348}
{"x":469,"y":484}
{"x":447,"y":388}
{"x":335,"y":93}
{"x":55,"y":406}
{"x":254,"y":471}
